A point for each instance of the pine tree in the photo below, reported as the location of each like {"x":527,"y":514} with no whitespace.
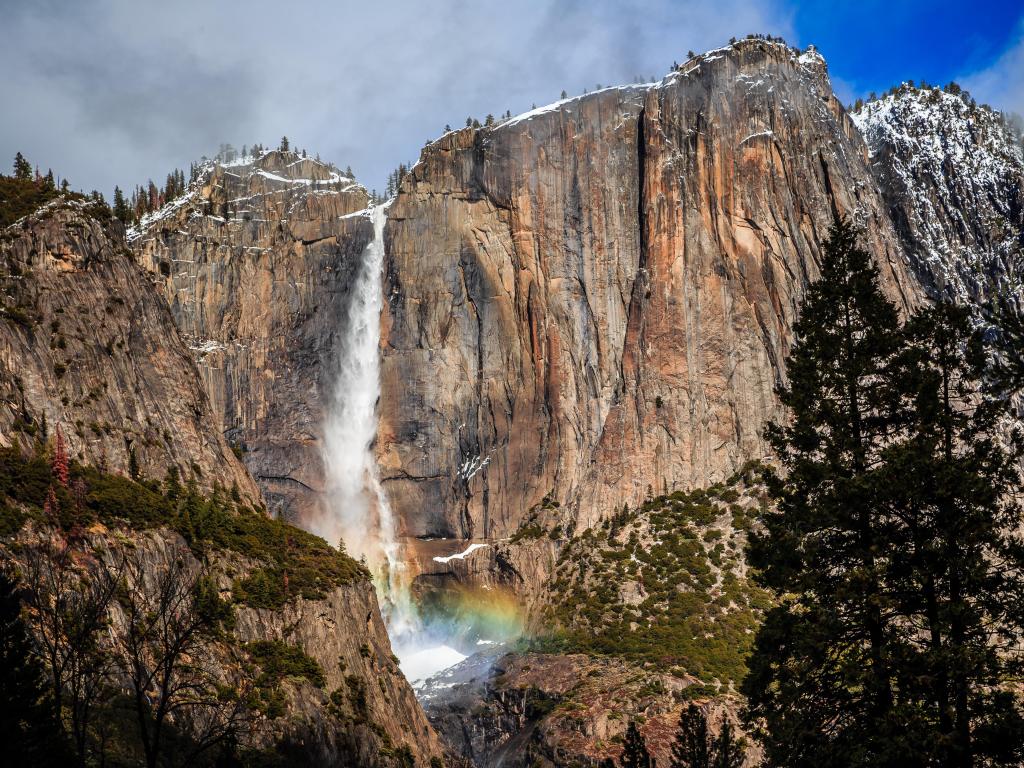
{"x":821,"y":682}
{"x":284,"y":147}
{"x":22,"y":168}
{"x":634,"y":753}
{"x":728,"y":751}
{"x":694,"y":746}
{"x":961,"y":570}
{"x":121,"y":210}
{"x":59,"y":463}
{"x":691,"y":748}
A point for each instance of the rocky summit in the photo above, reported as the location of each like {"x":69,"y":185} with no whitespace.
{"x":586,"y":313}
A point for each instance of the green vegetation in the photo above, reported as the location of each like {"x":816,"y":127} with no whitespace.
{"x":24,"y":193}
{"x":20,"y":197}
{"x":280,"y":661}
{"x":896,"y":539}
{"x":662,"y":584}
{"x":219,"y":522}
{"x":532,"y":528}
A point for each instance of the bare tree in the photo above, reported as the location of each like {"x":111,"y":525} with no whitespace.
{"x":68,"y":597}
{"x":165,"y":648}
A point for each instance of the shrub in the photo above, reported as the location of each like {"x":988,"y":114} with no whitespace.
{"x":205,"y":521}
{"x":279,"y":660}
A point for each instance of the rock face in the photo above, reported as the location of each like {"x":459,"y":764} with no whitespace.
{"x":343,"y":633}
{"x":595,"y":298}
{"x":254,"y":262}
{"x":952,"y":173}
{"x":86,"y":344}
{"x":549,"y":710}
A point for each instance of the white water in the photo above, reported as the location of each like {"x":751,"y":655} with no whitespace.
{"x":420,"y":666}
{"x":357,"y":510}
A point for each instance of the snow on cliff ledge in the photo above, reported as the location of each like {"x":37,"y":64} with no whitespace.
{"x":953,"y":174}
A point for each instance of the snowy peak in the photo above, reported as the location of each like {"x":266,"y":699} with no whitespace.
{"x":933,"y":124}
{"x":741,"y":52}
{"x":246,"y":187}
{"x":952,"y":172}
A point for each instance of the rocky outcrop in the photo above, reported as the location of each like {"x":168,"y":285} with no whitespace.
{"x":373,"y":711}
{"x":952,"y":174}
{"x":549,"y":710}
{"x":255,"y":262}
{"x":595,"y":299}
{"x":88,"y":346}
{"x":346,"y":635}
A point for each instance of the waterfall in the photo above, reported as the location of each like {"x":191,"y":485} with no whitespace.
{"x":356,"y":509}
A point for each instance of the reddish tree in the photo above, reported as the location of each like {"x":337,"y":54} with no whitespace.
{"x":59,"y":465}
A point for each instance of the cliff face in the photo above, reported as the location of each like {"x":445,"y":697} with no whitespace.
{"x":595,"y":298}
{"x":952,"y":175}
{"x":255,"y":261}
{"x":554,"y":710}
{"x":86,"y":344}
{"x":373,"y":710}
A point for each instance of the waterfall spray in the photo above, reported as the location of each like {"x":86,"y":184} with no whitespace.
{"x":357,"y":510}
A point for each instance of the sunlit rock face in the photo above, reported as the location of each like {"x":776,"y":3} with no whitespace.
{"x":256,"y":261}
{"x":593,"y":301}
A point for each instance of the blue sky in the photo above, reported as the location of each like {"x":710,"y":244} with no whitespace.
{"x":873,"y":44}
{"x":118,"y":91}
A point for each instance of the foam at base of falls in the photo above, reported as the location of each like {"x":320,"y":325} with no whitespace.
{"x":420,"y":665}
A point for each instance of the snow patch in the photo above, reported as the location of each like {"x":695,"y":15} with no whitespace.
{"x":460,"y":555}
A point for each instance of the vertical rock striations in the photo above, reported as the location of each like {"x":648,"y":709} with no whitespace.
{"x":87,"y":344}
{"x":594,"y":299}
{"x":255,"y":261}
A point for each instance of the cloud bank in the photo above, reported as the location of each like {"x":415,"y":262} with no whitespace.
{"x":116,"y":91}
{"x":1002,"y":84}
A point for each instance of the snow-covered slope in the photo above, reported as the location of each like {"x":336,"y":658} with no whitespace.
{"x":952,"y":173}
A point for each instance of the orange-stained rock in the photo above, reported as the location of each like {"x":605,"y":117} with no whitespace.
{"x":596,"y":299}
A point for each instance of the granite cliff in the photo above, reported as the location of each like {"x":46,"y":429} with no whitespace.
{"x":595,"y":299}
{"x":87,"y":346}
{"x":255,"y":261}
{"x":586,"y":306}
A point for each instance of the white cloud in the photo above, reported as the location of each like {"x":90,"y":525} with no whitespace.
{"x":115,"y":91}
{"x":1001,"y":85}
